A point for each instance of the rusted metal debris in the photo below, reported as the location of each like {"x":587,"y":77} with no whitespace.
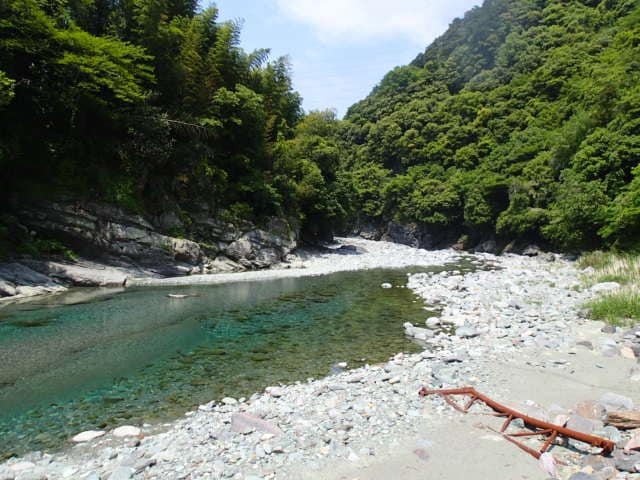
{"x":537,"y":427}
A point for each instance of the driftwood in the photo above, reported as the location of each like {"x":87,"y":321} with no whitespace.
{"x":537,"y":427}
{"x":626,"y":419}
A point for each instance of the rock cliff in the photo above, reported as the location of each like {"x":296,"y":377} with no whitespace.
{"x":113,"y":244}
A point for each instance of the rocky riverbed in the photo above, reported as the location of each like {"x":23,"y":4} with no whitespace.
{"x":513,"y":330}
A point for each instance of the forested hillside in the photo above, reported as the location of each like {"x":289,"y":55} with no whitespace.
{"x":522,"y":120}
{"x":150,"y":105}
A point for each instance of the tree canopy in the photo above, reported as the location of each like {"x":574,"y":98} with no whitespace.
{"x":521,"y":120}
{"x":152,"y":104}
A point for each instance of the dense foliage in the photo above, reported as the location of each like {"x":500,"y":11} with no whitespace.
{"x":151,"y":104}
{"x":522,"y":120}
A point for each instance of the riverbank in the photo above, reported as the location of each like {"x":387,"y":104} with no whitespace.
{"x":346,"y":254}
{"x":520,"y":339}
{"x":57,"y":245}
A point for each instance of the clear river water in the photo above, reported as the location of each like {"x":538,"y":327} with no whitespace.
{"x":96,"y":359}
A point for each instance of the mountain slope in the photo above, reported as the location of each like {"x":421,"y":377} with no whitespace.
{"x":150,"y":105}
{"x":521,"y":121}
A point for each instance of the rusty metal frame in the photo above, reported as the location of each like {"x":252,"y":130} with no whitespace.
{"x":537,"y":427}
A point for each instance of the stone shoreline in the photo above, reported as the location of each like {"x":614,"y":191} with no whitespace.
{"x":522,"y":316}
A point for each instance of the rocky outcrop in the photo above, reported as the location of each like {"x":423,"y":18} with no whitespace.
{"x":113,"y":244}
{"x":97,"y":230}
{"x":429,"y":237}
{"x":81,"y":274}
{"x":259,"y":248}
{"x":17,"y":280}
{"x":412,"y":234}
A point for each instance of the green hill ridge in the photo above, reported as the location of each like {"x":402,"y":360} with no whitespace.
{"x":521,"y":122}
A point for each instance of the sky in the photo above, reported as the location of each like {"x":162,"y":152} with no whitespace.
{"x":340,"y":49}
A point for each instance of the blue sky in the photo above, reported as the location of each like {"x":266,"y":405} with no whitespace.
{"x":340,"y":49}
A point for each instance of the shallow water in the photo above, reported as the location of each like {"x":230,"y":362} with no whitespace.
{"x":133,"y":356}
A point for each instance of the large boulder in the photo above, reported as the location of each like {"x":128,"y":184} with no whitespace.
{"x":83,"y":275}
{"x":260,"y":249}
{"x":488,"y":246}
{"x":223,"y":264}
{"x":419,"y":235}
{"x":114,"y":244}
{"x":409,"y":234}
{"x":94,"y":228}
{"x":21,"y":281}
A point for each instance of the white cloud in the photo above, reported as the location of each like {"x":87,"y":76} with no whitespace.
{"x":419,"y":21}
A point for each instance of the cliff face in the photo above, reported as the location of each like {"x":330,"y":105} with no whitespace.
{"x":112,"y":244}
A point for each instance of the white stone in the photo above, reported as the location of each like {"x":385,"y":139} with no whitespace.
{"x":22,"y":466}
{"x":467,"y":332}
{"x":126,"y":431}
{"x":87,"y":436}
{"x":432,"y":322}
{"x":605,"y":287}
{"x":275,"y":392}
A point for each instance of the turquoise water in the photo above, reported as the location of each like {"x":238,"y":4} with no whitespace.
{"x":138,"y":356}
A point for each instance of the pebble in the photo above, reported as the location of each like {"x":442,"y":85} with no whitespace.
{"x":467,"y":332}
{"x":122,"y":473}
{"x":275,"y":392}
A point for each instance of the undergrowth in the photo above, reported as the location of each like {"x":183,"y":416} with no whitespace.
{"x":620,"y":306}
